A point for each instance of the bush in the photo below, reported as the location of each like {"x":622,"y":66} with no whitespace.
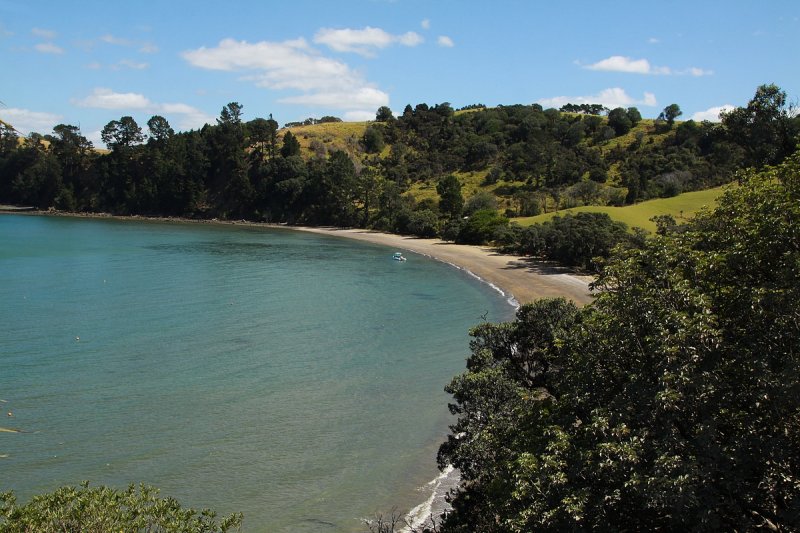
{"x":101,"y":509}
{"x":481,"y":227}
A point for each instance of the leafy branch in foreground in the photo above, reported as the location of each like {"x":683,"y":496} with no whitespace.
{"x":101,"y":509}
{"x":670,"y":403}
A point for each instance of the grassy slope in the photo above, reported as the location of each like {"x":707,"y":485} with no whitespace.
{"x":681,"y":207}
{"x":331,"y":135}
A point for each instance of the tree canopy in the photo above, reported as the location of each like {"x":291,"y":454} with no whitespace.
{"x":102,"y":509}
{"x":670,"y":403}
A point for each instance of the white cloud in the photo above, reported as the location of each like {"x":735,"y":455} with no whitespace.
{"x":44,"y":34}
{"x":188,"y":117}
{"x":118,"y":41}
{"x":410,"y":38}
{"x":127,"y":63}
{"x":26,"y":121}
{"x":694,"y":71}
{"x":445,"y":41}
{"x":642,"y":66}
{"x":611,"y":98}
{"x":653,"y":40}
{"x":626,"y":64}
{"x":712,"y":113}
{"x":48,"y":48}
{"x":102,"y":98}
{"x":364,"y":97}
{"x":292,"y":65}
{"x":426,"y":24}
{"x":359,"y":116}
{"x":94,"y":65}
{"x":148,"y":48}
{"x":364,"y":42}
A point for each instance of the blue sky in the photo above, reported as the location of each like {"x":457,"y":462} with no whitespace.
{"x":87,"y":62}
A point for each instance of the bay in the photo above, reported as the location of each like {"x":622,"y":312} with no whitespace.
{"x":294,"y":377}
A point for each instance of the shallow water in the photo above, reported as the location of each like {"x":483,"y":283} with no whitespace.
{"x":294,"y":377}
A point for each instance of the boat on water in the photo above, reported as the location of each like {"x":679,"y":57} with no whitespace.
{"x":398,"y":257}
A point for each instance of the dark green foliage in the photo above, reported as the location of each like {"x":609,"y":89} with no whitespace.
{"x":574,"y":240}
{"x":667,"y":117}
{"x":767,"y":128}
{"x":102,"y":509}
{"x":587,"y":109}
{"x":384,"y":114}
{"x":481,"y":227}
{"x":619,"y":120}
{"x":122,"y":134}
{"x":480,"y":201}
{"x":423,"y":223}
{"x":291,"y":146}
{"x":451,"y":202}
{"x":373,"y":140}
{"x":671,"y":403}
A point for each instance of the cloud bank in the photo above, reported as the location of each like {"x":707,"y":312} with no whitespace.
{"x":364,"y":42}
{"x":610,"y":98}
{"x":188,"y":117}
{"x":642,"y":66}
{"x":292,"y":65}
{"x":27,"y":121}
{"x":712,"y":113}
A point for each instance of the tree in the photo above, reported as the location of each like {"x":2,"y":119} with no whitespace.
{"x":160,"y":130}
{"x":291,"y":146}
{"x":101,"y":509}
{"x":122,"y":134}
{"x":765,"y":128}
{"x":669,"y":114}
{"x":670,"y":403}
{"x":480,"y":201}
{"x":634,"y":115}
{"x":619,"y":120}
{"x":384,"y":114}
{"x":373,"y":140}
{"x":231,"y":115}
{"x":481,"y":227}
{"x":451,"y":202}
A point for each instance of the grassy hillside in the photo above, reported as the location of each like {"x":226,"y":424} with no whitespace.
{"x":681,"y":207}
{"x":326,"y":137}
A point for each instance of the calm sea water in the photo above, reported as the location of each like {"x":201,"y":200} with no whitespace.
{"x":294,"y":377}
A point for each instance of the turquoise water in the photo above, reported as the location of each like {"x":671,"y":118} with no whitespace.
{"x":294,"y":377}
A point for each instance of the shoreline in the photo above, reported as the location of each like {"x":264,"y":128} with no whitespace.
{"x":520,"y":279}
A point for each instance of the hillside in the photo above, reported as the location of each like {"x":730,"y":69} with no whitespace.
{"x":681,"y":208}
{"x":420,"y":172}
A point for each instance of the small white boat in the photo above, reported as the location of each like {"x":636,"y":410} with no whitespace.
{"x":398,"y":257}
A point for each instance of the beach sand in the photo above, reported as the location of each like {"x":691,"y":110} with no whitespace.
{"x":522,"y":278}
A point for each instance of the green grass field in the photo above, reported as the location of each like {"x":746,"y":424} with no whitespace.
{"x":681,"y":207}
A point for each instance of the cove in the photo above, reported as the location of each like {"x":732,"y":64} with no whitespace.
{"x":294,"y":377}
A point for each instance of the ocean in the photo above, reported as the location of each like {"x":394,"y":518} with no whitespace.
{"x":297,"y":378}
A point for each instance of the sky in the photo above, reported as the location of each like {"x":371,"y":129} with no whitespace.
{"x":87,"y":62}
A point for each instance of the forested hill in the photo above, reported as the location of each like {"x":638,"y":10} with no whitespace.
{"x":409,"y":174}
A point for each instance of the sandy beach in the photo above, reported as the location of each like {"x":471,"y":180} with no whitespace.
{"x":522,"y":278}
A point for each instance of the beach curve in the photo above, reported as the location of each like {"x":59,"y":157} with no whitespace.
{"x":522,"y":278}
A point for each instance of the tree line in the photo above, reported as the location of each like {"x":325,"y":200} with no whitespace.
{"x":531,"y":159}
